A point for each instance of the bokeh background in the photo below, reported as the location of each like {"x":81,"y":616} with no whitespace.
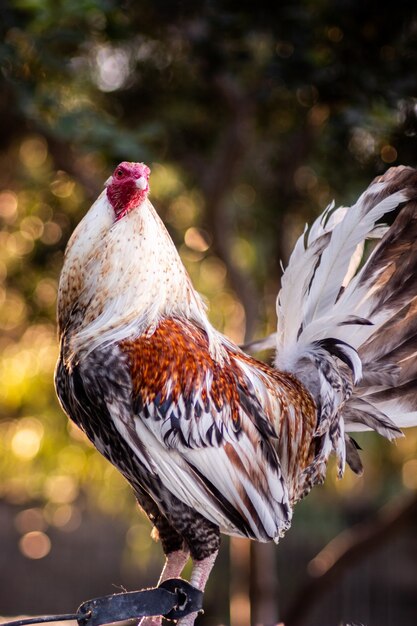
{"x":252,"y":116}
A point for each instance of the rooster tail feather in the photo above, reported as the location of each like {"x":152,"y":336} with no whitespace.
{"x":349,"y":334}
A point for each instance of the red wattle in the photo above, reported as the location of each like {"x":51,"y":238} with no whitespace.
{"x":124,"y":196}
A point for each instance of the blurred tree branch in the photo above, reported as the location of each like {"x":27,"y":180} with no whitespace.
{"x":345,"y":550}
{"x":66,"y":158}
{"x":217,"y":183}
{"x":16,"y":124}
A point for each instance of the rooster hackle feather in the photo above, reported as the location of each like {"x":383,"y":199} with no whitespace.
{"x":212,"y":440}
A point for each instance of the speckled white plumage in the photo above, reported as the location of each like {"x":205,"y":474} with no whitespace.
{"x":123,"y":300}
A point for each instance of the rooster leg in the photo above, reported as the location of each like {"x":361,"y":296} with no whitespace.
{"x":201,"y":572}
{"x":174,"y":547}
{"x":177,"y":556}
{"x":203,"y":539}
{"x":174,"y":564}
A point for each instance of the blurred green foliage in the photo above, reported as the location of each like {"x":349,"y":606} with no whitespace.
{"x":253,"y":116}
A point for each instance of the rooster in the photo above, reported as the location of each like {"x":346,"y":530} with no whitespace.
{"x":211,"y":439}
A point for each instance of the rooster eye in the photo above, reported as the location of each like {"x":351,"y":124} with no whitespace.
{"x":119,"y":173}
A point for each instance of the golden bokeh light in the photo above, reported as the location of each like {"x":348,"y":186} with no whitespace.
{"x":409,"y":474}
{"x":243,"y":253}
{"x":46,"y":292}
{"x":362,"y":144}
{"x":31,"y":227}
{"x":8,"y":206}
{"x":19,"y":244}
{"x":62,"y":186}
{"x":165,"y":181}
{"x":182,"y":212}
{"x":213,"y":274}
{"x":66,"y":517}
{"x":33,"y":152}
{"x":52,"y":233}
{"x":197,"y":239}
{"x":27,"y":439}
{"x":61,"y":489}
{"x":135,"y":537}
{"x":72,"y":459}
{"x":335,"y":34}
{"x":388,"y":154}
{"x":30,"y":520}
{"x":305,"y":178}
{"x":318,"y":114}
{"x":35,"y":545}
{"x":190,"y":256}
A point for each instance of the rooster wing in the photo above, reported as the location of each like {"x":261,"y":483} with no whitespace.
{"x":229,"y":439}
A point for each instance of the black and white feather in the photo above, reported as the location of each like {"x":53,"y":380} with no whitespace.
{"x":349,"y":333}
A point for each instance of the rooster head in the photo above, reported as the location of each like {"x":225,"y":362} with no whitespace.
{"x":127,"y":187}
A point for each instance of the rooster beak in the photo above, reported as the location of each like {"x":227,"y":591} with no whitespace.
{"x":108,"y":181}
{"x":141,"y":183}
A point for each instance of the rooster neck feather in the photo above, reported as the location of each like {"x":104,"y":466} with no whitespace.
{"x":125,"y":276}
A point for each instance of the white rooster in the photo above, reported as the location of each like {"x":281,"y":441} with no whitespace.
{"x":212,"y":440}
